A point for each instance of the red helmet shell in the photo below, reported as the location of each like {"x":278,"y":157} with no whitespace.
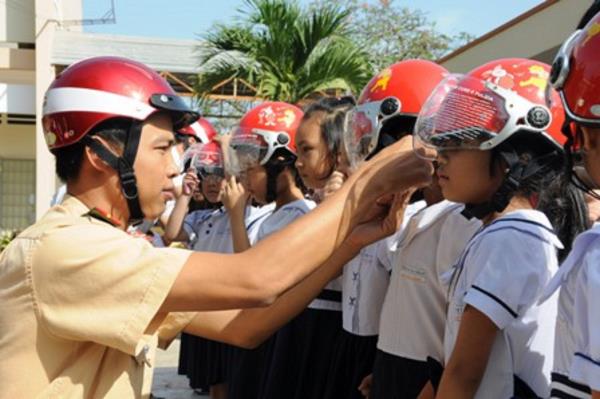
{"x":528,"y":79}
{"x":582,"y":87}
{"x":202,"y":130}
{"x":276,"y":117}
{"x":100,"y":88}
{"x":410,"y":81}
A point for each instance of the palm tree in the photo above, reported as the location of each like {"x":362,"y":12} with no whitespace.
{"x":287,"y":53}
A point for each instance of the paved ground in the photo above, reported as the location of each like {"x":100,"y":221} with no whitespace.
{"x":167,"y":384}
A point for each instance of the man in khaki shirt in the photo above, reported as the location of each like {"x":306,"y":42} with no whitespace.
{"x":83,"y":304}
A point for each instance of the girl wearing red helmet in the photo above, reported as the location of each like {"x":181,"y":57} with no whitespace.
{"x":264,"y":155}
{"x":575,"y":75}
{"x":301,"y":355}
{"x":207,"y":230}
{"x":497,"y":143}
{"x":388,"y":108}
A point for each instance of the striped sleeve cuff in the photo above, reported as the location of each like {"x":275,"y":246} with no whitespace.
{"x":585,"y":370}
{"x":490,"y":305}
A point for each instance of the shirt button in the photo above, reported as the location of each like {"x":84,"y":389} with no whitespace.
{"x":207,"y":231}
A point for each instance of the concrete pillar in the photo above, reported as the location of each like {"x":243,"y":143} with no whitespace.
{"x":49,"y":15}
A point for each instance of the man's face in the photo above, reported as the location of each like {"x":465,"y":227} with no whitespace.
{"x":154,"y":165}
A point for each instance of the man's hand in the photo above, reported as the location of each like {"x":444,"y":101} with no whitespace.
{"x":190,"y":182}
{"x":396,"y":169}
{"x":235,"y":197}
{"x":384,"y":219}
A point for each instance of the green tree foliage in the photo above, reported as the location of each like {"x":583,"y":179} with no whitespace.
{"x":286,"y":52}
{"x":390,"y":32}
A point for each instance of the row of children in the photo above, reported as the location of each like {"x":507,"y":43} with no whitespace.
{"x":454,"y":301}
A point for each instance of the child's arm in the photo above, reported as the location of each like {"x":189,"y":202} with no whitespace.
{"x":234,"y":200}
{"x":427,"y":392}
{"x":467,"y":364}
{"x":174,"y":230}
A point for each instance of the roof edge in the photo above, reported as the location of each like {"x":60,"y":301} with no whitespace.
{"x":519,"y":18}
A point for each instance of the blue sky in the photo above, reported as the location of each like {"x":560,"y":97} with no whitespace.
{"x":187,"y":19}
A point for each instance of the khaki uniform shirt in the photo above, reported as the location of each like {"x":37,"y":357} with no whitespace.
{"x":78,"y":308}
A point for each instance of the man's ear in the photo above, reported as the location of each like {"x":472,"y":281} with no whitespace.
{"x":95,"y":161}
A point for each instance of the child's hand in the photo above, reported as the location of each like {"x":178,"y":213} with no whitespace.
{"x":365,"y":386}
{"x":334,"y":183}
{"x":223,"y":139}
{"x":234,"y":196}
{"x":190,"y":183}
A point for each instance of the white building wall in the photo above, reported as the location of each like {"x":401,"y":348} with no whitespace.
{"x":48,"y":13}
{"x":17,"y":99}
{"x":18,"y":21}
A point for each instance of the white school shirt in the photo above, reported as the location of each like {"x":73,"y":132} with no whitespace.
{"x":564,"y":345}
{"x":502,"y":274}
{"x":585,"y":367}
{"x":210,"y":229}
{"x":365,"y":280}
{"x":413,"y":316}
{"x":330,"y":298}
{"x":364,"y":283}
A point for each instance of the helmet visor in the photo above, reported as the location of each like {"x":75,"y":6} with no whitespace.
{"x":181,"y":113}
{"x":467,"y":113}
{"x":362,"y":126}
{"x":206,"y":159}
{"x":248,"y":149}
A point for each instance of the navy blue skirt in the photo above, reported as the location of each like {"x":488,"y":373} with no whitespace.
{"x":298,"y":360}
{"x":396,"y":377}
{"x":353,"y":358}
{"x":205,"y":362}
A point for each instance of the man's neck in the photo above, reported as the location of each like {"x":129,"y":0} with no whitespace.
{"x":95,"y":198}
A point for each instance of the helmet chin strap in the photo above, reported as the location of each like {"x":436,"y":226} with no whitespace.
{"x":124,"y":167}
{"x":518,"y":172}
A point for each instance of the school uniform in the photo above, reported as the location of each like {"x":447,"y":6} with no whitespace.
{"x":565,"y":282}
{"x":502,"y":273}
{"x":204,"y":361}
{"x":574,"y":357}
{"x":364,"y":282}
{"x":413,"y":314}
{"x":248,"y":374}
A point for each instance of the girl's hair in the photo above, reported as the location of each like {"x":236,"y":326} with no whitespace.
{"x":333,"y":110}
{"x":564,"y":205}
{"x":555,"y":195}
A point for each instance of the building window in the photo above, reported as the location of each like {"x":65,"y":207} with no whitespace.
{"x":17,"y":193}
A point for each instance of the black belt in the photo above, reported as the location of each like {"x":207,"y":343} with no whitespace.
{"x":330,"y":295}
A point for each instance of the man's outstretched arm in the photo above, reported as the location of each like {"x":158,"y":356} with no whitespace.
{"x":258,"y":276}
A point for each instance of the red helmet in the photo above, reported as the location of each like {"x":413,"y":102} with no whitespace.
{"x":96,"y":89}
{"x":399,"y":90}
{"x":206,"y":158}
{"x":202,"y":130}
{"x":576,"y":74}
{"x":264,"y":129}
{"x":489,"y":105}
